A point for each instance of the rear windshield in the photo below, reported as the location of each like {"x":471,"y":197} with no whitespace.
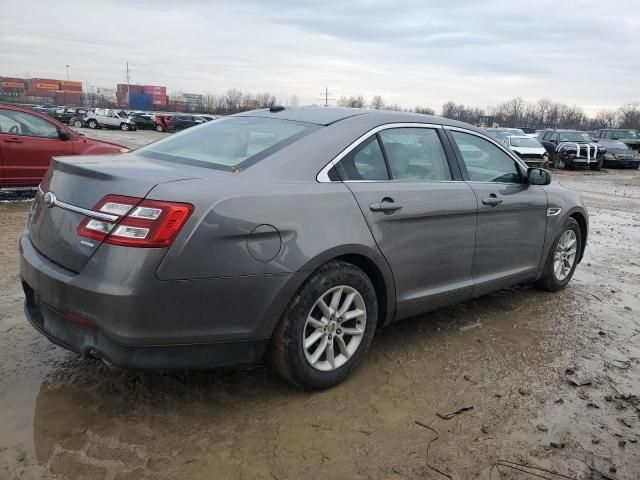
{"x":228,"y":144}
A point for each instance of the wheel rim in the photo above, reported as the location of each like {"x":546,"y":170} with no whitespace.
{"x":565,"y":255}
{"x":334,"y":328}
{"x":125,"y":126}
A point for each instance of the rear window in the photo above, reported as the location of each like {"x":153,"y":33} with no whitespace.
{"x":229,"y":143}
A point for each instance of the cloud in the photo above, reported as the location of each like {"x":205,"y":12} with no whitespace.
{"x":411,"y":52}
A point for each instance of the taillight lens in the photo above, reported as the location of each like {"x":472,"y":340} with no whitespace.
{"x":139,"y":223}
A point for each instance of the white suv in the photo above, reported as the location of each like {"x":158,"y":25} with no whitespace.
{"x":108,"y":118}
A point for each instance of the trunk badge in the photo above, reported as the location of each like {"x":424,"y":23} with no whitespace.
{"x":49,"y":199}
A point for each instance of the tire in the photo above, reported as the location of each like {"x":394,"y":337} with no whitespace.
{"x":159,"y":128}
{"x":287,"y":354}
{"x":77,"y":124}
{"x":124,"y":127}
{"x":598,"y":166}
{"x":92,"y":124}
{"x":549,"y":280}
{"x":558,"y":163}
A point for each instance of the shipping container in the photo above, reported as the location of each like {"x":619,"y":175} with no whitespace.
{"x":70,"y":83}
{"x":35,"y":92}
{"x":124,"y":88}
{"x":140,"y":101}
{"x":155,"y":89}
{"x":13,"y":85}
{"x":13,"y":79}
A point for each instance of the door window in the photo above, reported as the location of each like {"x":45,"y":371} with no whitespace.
{"x":20,"y":123}
{"x":485,"y":162}
{"x":366,"y":162}
{"x":415,"y":154}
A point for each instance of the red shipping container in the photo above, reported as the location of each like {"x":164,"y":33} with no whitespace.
{"x":12,"y":85}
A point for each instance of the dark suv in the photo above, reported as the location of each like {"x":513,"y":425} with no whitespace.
{"x":629,"y":137}
{"x":572,"y":148}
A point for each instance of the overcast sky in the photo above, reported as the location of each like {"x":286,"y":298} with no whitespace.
{"x":418,"y":52}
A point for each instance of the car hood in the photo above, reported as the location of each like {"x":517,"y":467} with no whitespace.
{"x":529,"y":150}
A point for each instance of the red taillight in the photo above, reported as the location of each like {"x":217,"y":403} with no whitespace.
{"x":139,"y":223}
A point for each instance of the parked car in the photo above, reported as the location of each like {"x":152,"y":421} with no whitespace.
{"x":572,"y":148}
{"x":108,"y":118}
{"x":530,"y":150}
{"x":255,"y":236}
{"x":66,"y":114}
{"x":182,"y":121}
{"x":208,"y":118}
{"x":500,"y":133}
{"x":618,"y":154}
{"x":164,"y":122}
{"x":629,"y":137}
{"x":143,"y":121}
{"x":28,"y":140}
{"x":77,"y":120}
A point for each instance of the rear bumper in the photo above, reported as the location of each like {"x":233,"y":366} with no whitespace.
{"x":132,"y":319}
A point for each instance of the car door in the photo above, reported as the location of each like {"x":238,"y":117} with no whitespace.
{"x":28,"y":142}
{"x":420,"y":212}
{"x":512,"y":214}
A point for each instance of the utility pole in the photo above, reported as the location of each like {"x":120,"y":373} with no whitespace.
{"x":68,"y":66}
{"x":128,"y":71}
{"x":325,"y":96}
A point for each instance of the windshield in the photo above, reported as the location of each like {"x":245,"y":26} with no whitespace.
{"x":229,"y":143}
{"x":525,"y":142}
{"x":624,"y":134}
{"x":574,"y":137}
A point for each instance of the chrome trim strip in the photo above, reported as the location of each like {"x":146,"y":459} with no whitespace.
{"x":323,"y":175}
{"x":89,"y":213}
{"x":553,"y":211}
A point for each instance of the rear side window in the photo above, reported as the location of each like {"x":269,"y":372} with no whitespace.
{"x":229,"y":143}
{"x":415,"y":154}
{"x":366,"y":162}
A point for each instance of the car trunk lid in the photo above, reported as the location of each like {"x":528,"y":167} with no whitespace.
{"x":78,"y":184}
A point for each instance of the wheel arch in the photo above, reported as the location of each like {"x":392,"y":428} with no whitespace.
{"x":584,"y":230}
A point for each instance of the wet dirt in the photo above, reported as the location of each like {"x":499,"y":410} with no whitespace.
{"x":63,"y":416}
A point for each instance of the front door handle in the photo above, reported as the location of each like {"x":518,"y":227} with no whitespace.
{"x":492,"y":200}
{"x":387,"y":205}
{"x":13,"y":140}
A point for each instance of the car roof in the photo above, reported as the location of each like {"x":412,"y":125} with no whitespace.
{"x":330,"y":115}
{"x":520,"y":136}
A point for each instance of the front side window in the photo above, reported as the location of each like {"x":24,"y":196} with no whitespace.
{"x":20,"y":123}
{"x":485,"y":162}
{"x":415,"y":154}
{"x":228,"y":144}
{"x":365,"y":162}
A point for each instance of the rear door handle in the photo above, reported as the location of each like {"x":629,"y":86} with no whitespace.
{"x":386,"y":206}
{"x":492,"y":200}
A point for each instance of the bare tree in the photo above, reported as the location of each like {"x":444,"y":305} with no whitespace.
{"x":630,"y":115}
{"x":294,"y":101}
{"x":233,"y":100}
{"x":377,"y":103}
{"x":425,"y":110}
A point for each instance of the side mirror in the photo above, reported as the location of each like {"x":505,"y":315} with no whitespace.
{"x":594,"y":140}
{"x":539,"y":176}
{"x":63,"y":134}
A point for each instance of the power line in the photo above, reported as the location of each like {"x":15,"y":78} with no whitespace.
{"x":325,"y":96}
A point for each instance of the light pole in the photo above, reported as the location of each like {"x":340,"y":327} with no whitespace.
{"x":68,"y":67}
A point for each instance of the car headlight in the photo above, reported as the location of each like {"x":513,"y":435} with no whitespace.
{"x":636,"y":156}
{"x":545,"y":156}
{"x":609,"y":156}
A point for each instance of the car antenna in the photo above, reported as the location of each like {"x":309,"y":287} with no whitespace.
{"x":276,"y":108}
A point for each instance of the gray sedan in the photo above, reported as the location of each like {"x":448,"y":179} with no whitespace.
{"x":286,"y":234}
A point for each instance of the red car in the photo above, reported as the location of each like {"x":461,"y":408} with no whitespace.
{"x":28,"y":140}
{"x":164,"y":122}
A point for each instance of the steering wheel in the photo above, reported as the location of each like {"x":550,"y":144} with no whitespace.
{"x":14,"y":129}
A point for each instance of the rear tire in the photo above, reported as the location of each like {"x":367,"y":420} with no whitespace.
{"x":124,"y":127}
{"x":321,"y":315}
{"x":159,"y":128}
{"x":560,"y":265}
{"x":77,"y":124}
{"x":93,"y":124}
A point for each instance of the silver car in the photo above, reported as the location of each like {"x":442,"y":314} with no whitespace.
{"x":286,"y":234}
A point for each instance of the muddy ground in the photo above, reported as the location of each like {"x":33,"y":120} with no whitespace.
{"x":62,"y":416}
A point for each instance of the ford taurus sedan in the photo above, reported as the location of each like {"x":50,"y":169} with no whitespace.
{"x":286,"y":234}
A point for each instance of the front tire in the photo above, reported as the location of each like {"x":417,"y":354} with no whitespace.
{"x":124,"y":127}
{"x":327,"y":327}
{"x":562,"y":258}
{"x":159,"y":128}
{"x":77,"y":124}
{"x":92,"y":124}
{"x":597,"y":166}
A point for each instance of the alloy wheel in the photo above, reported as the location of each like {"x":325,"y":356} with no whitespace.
{"x":565,"y":255}
{"x":334,"y":328}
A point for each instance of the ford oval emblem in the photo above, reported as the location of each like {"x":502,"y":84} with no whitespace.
{"x":49,"y":199}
